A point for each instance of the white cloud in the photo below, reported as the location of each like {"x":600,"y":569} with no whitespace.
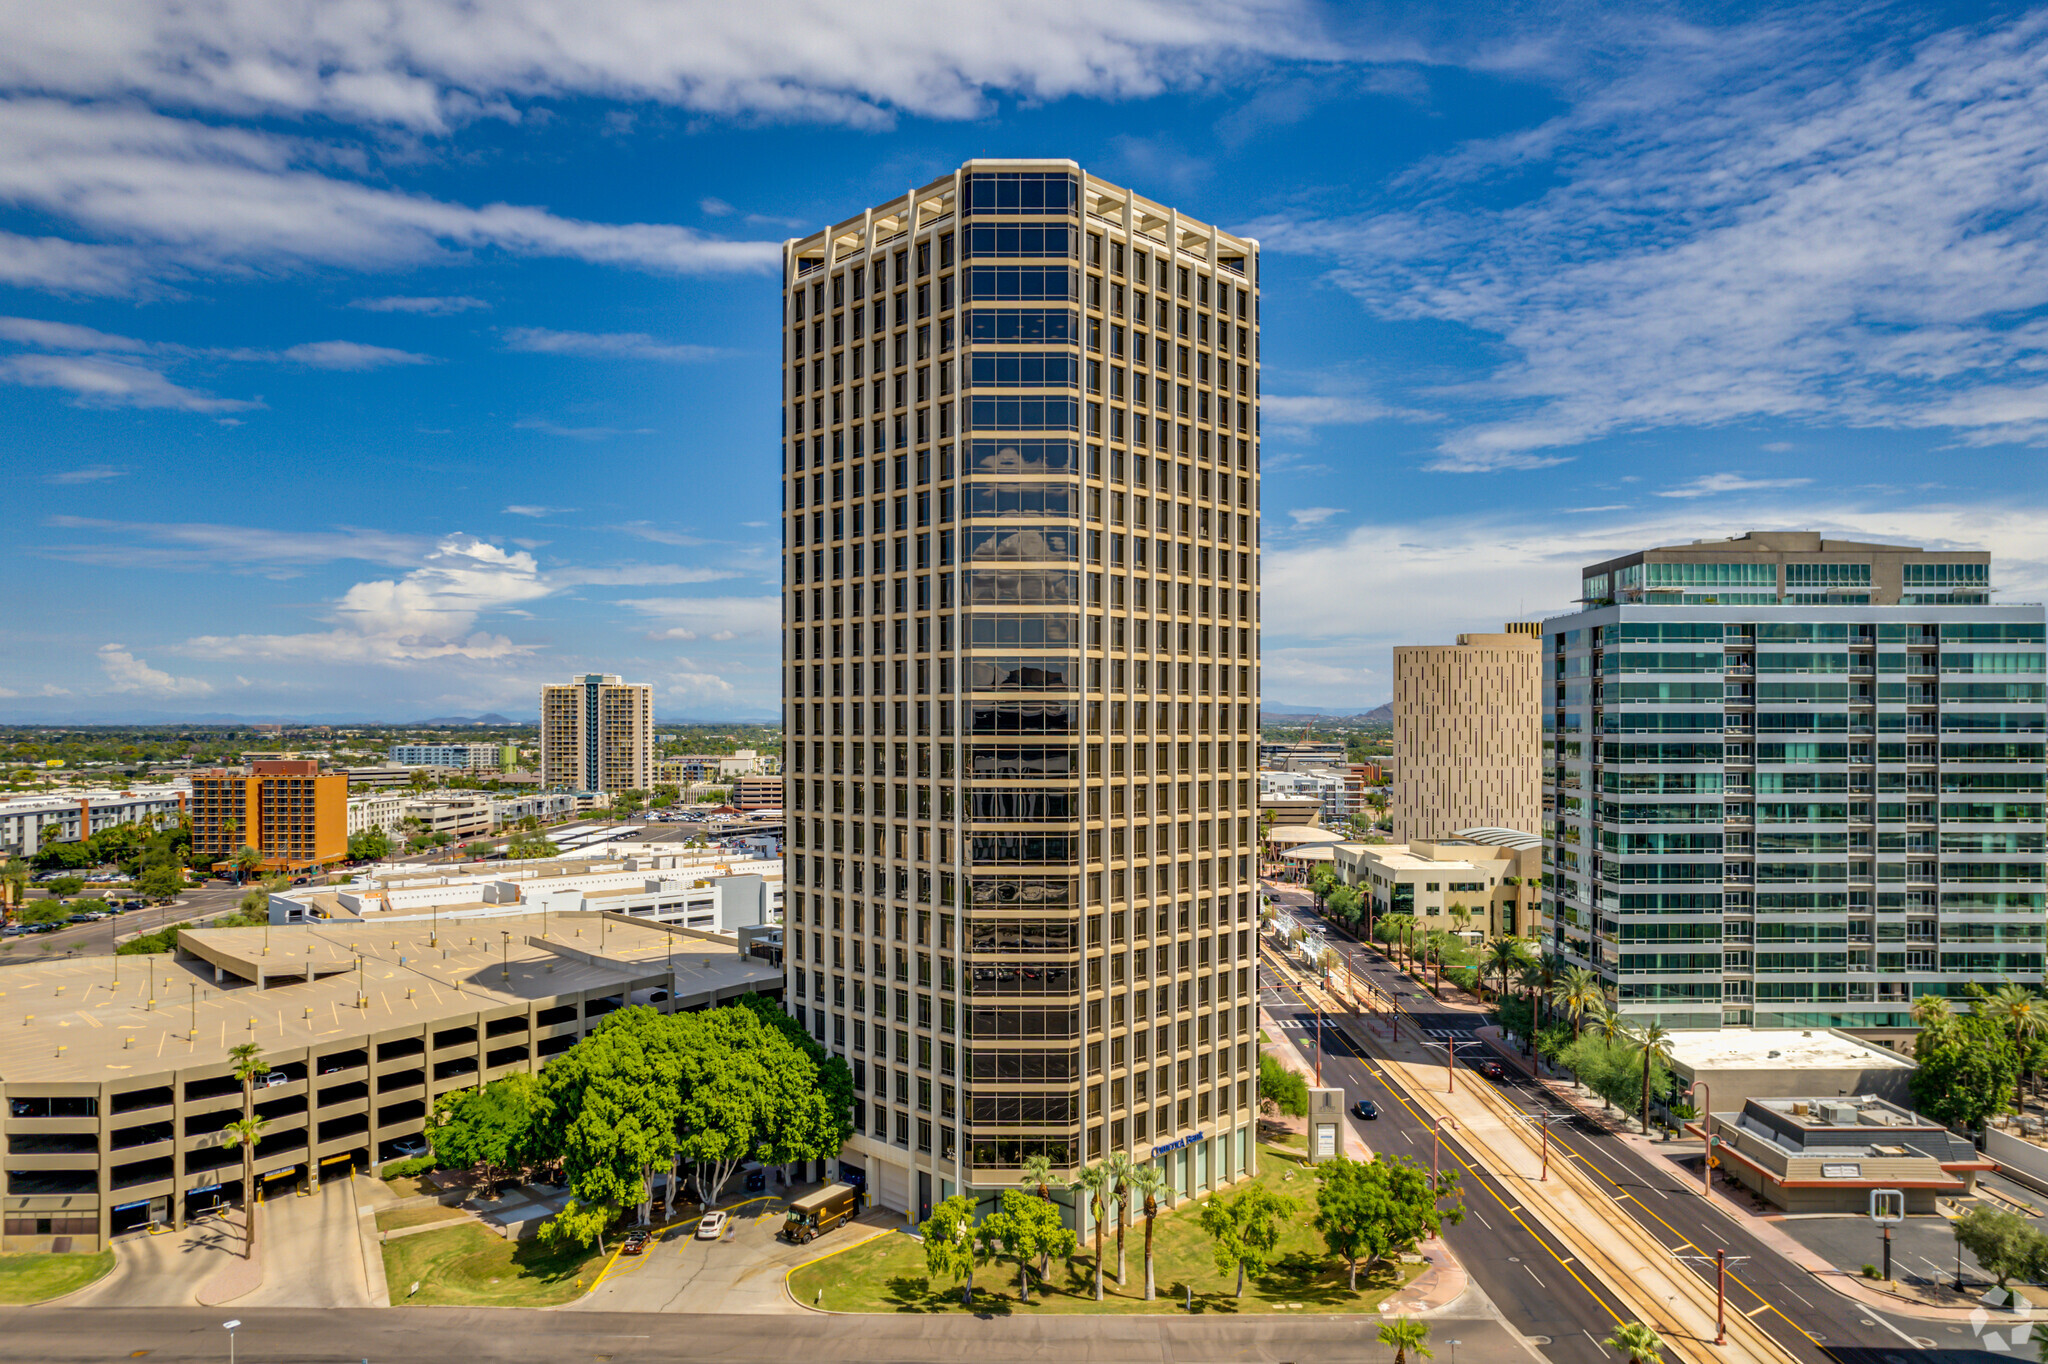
{"x":429,"y":613}
{"x":96,"y":381}
{"x":429,"y":64}
{"x":1314,"y":516}
{"x":604,"y":345}
{"x":517,"y":510}
{"x":432,"y":306}
{"x":92,"y":473}
{"x":351,"y":355}
{"x":712,"y":618}
{"x":1794,"y":219}
{"x":198,"y":198}
{"x":201,"y":544}
{"x":547,"y":427}
{"x":1709,"y":485}
{"x":45,"y":335}
{"x":127,"y":673}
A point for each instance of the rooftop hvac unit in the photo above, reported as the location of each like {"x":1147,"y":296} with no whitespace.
{"x":1838,"y":1114}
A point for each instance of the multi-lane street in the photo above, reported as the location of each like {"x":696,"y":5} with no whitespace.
{"x":1808,"y":1319}
{"x":194,"y":906}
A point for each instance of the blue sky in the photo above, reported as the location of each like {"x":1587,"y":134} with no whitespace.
{"x":391,"y":359}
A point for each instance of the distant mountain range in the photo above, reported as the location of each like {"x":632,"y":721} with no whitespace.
{"x":455,"y":721}
{"x":1279,"y":713}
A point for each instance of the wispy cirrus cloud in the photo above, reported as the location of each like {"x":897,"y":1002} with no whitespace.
{"x":431,"y":306}
{"x":91,"y":473}
{"x":1807,"y":217}
{"x":101,"y":381}
{"x":605,"y":345}
{"x":1711,"y":485}
{"x":553,"y":428}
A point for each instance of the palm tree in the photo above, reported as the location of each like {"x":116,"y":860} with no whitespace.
{"x":1120,"y":1166}
{"x":1932,"y":1013}
{"x":1653,"y":1041}
{"x":1146,"y":1182}
{"x":1530,"y":976}
{"x":1501,"y":958}
{"x":246,"y":861}
{"x":1577,"y":993}
{"x":14,"y":876}
{"x":2022,"y":1013}
{"x":1094,"y":1181}
{"x":1637,"y":1343}
{"x":245,"y":1133}
{"x":1405,"y":1334}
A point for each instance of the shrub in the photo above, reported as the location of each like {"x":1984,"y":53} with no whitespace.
{"x":1870,"y":1271}
{"x":407,"y":1169}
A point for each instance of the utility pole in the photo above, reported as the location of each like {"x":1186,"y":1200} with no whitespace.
{"x":1544,"y":1119}
{"x":1707,"y":1126}
{"x":1720,"y":1260}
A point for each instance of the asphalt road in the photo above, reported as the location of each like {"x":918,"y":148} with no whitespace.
{"x":477,"y":1335}
{"x":194,"y":906}
{"x":1812,"y":1322}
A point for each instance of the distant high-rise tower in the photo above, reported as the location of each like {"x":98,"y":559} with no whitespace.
{"x":1794,"y":782}
{"x":1468,"y":735}
{"x":597,"y":734}
{"x":1020,"y":644}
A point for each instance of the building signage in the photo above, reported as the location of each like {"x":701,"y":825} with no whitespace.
{"x":1189,"y":1140}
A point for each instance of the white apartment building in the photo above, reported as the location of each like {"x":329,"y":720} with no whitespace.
{"x":28,"y":823}
{"x":1336,"y":799}
{"x":469,"y":757}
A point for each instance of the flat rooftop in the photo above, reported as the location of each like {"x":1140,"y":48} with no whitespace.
{"x":1778,"y":1049}
{"x":68,"y":1021}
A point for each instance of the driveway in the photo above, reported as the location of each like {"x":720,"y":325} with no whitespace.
{"x":312,"y":1252}
{"x":741,"y":1273}
{"x":166,"y":1270}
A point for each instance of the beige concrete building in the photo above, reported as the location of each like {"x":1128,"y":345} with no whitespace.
{"x":1468,"y":736}
{"x":1021,"y":677}
{"x":116,"y":1096}
{"x":1495,"y":874}
{"x":1825,"y":1155}
{"x":597,"y":734}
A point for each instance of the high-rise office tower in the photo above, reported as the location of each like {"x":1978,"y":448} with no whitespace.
{"x":597,"y":734}
{"x":1468,"y":734}
{"x":1794,"y":782}
{"x":1020,"y":471}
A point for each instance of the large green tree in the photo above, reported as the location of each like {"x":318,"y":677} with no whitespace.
{"x":949,"y":1243}
{"x":2005,"y":1244}
{"x":835,"y":1077}
{"x":494,"y":1130}
{"x":613,"y":1105}
{"x":1284,"y":1089}
{"x":1023,"y":1228}
{"x":1245,"y":1228}
{"x":749,"y":1092}
{"x":1964,"y":1071}
{"x":1371,"y":1211}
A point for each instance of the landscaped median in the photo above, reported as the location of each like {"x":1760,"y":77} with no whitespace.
{"x":888,"y":1274}
{"x":38,"y":1278}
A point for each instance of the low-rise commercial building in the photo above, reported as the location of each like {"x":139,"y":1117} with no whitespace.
{"x":383,"y":810}
{"x":456,"y":814}
{"x":1825,"y":1155}
{"x":702,"y":889}
{"x":1495,"y":875}
{"x":469,"y":757}
{"x":117,"y":1124}
{"x":1739,"y":1064}
{"x":756,"y":793}
{"x":1330,"y":787}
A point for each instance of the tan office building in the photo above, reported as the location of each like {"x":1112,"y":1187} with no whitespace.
{"x":1020,"y":649}
{"x":597,"y":734}
{"x":1468,"y":735}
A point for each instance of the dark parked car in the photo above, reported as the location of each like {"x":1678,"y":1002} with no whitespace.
{"x":1492,"y":1071}
{"x":635,"y":1244}
{"x":1367,"y":1109}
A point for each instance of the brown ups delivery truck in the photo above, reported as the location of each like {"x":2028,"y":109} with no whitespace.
{"x":817,"y":1213}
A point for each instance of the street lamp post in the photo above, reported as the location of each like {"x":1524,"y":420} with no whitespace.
{"x":229,"y":1327}
{"x":1450,"y":1046}
{"x":1707,"y":1126}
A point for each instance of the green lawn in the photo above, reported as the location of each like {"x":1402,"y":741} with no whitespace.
{"x":396,"y":1219}
{"x":37,"y":1278}
{"x":411,"y":1186}
{"x":887,"y":1274}
{"x":471,"y":1267}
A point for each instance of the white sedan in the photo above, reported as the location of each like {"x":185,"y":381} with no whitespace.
{"x":713,"y":1226}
